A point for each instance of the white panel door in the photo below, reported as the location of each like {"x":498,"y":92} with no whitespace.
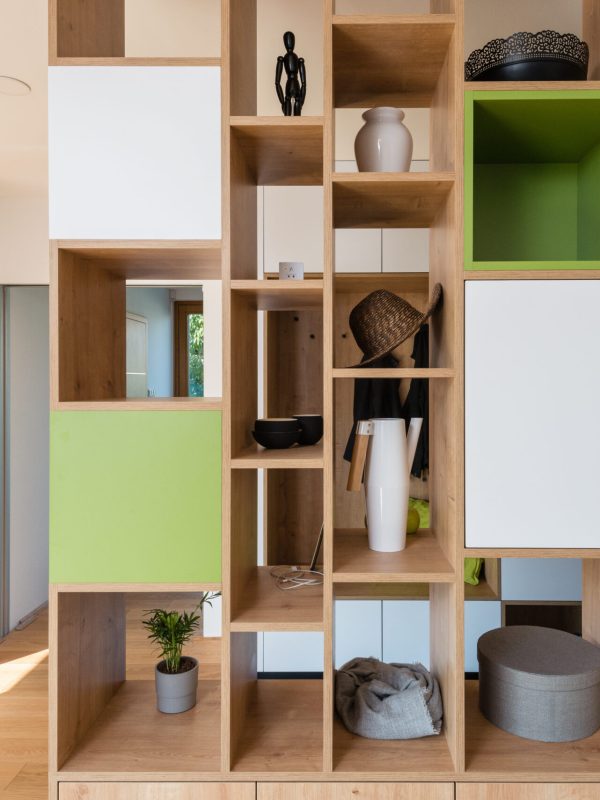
{"x":532,"y":419}
{"x":134,"y":152}
{"x":541,"y":579}
{"x":480,"y":616}
{"x":406,"y":631}
{"x":357,"y":630}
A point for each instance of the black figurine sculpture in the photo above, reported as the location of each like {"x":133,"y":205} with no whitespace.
{"x":295,"y":85}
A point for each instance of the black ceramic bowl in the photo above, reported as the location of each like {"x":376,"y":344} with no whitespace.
{"x":542,"y":56}
{"x":312,"y":428}
{"x":277,"y":440}
{"x":277,"y":425}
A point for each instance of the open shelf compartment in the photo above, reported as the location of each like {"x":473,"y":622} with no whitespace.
{"x":393,"y":60}
{"x":276,"y":725}
{"x":107,"y":716}
{"x":532,"y":166}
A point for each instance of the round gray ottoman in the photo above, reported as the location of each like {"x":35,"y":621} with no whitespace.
{"x":539,"y":683}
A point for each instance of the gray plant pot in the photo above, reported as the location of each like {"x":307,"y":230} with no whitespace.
{"x":176,"y":692}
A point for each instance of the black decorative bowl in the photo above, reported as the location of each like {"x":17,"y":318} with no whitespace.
{"x":542,"y":56}
{"x":274,"y":440}
{"x":311,"y":428}
{"x":277,"y":424}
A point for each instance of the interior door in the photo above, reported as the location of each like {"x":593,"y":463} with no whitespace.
{"x":137,"y":355}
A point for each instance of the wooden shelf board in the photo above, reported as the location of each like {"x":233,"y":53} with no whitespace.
{"x":422,"y":561}
{"x":532,"y":274}
{"x":270,"y":295}
{"x":393,"y":60}
{"x":132,"y":736}
{"x":529,"y":552}
{"x":256,"y":457}
{"x":282,"y":151}
{"x":431,"y":373}
{"x":389,"y":199}
{"x":355,"y":282}
{"x":283,"y":729}
{"x":143,"y":404}
{"x":267,"y":608}
{"x":428,"y":756}
{"x":531,"y":86}
{"x":405,"y":591}
{"x":134,"y":61}
{"x":152,"y":259}
{"x":139,"y":588}
{"x":497,"y":753}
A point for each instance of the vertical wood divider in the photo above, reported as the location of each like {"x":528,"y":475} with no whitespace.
{"x":591,"y":34}
{"x":328,"y":387}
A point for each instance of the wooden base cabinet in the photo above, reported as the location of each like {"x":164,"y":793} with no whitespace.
{"x":355,"y":791}
{"x":157,"y":791}
{"x":528,"y":791}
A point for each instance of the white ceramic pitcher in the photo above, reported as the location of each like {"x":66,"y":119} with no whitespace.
{"x":390,"y":452}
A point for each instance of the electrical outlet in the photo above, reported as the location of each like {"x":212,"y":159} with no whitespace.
{"x":291,"y":270}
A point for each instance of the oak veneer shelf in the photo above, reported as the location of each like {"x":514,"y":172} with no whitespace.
{"x":530,"y":86}
{"x":393,"y":60}
{"x":143,"y":404}
{"x":431,"y":373}
{"x":283,"y":729}
{"x":528,"y":552}
{"x":498,"y":754}
{"x":131,"y":736}
{"x":256,"y":457}
{"x":423,"y":560}
{"x":285,"y":295}
{"x":389,"y":200}
{"x":267,"y":608}
{"x":401,"y":282}
{"x":185,"y":259}
{"x":405,"y":591}
{"x":281,"y":151}
{"x":428,"y":758}
{"x":133,"y":61}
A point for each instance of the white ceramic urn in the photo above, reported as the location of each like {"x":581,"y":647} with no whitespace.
{"x":383,"y":144}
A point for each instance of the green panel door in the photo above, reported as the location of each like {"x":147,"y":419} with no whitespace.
{"x":135,"y":496}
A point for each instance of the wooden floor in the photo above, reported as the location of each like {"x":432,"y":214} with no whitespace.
{"x":24,"y":693}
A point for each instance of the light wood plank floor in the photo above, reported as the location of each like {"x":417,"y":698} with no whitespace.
{"x":24,"y":692}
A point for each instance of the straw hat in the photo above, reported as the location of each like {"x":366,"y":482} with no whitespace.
{"x":382,"y":321}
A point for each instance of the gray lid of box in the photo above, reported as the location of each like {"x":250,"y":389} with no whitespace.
{"x":539,"y":658}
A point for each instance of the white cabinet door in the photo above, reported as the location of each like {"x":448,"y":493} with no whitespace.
{"x":293,"y":226}
{"x":134,"y":152}
{"x":357,"y":630}
{"x":405,"y":250}
{"x":358,"y":250}
{"x":480,"y":616}
{"x":406,"y":631}
{"x":541,"y":579}
{"x":532,"y":413}
{"x":293,"y":652}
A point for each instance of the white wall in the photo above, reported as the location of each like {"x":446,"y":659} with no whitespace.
{"x":213,"y":339}
{"x":27,"y":458}
{"x":172,"y":28}
{"x":24,"y":237}
{"x":155,"y":305}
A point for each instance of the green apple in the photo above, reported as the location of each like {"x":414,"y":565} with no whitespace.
{"x":413,"y":522}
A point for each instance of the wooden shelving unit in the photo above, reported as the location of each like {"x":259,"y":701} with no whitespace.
{"x":284,"y":735}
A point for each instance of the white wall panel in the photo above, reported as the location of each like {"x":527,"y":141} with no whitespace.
{"x":532,"y":394}
{"x":357,"y":630}
{"x":541,"y":579}
{"x":134,"y":152}
{"x":293,"y":226}
{"x":293,"y":652}
{"x":406,"y":631}
{"x":480,"y":617}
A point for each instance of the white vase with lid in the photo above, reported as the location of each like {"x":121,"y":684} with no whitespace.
{"x":383,"y":144}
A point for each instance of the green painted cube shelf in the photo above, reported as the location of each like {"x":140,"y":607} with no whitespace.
{"x":532,"y":172}
{"x":135,"y":497}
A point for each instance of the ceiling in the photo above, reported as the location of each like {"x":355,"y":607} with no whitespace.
{"x":23,"y":120}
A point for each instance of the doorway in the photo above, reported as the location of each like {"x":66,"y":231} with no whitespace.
{"x":189,"y":349}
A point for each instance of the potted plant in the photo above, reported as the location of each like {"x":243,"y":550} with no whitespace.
{"x":176,"y":675}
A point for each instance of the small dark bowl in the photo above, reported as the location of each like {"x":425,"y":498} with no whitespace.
{"x":312,"y":428}
{"x":277,"y":425}
{"x":276,"y":440}
{"x":543,"y":56}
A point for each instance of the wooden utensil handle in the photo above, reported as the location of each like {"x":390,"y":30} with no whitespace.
{"x":359,"y":456}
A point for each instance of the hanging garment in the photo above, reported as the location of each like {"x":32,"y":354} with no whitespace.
{"x":375,"y":397}
{"x":417,"y":402}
